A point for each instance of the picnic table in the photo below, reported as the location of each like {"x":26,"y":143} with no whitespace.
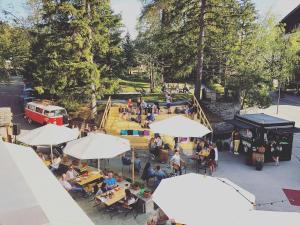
{"x":92,"y":176}
{"x":111,"y":197}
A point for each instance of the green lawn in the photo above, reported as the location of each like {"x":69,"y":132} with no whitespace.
{"x":133,"y":86}
{"x":137,"y":86}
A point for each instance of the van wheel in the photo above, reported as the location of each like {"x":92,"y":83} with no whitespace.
{"x":29,"y":120}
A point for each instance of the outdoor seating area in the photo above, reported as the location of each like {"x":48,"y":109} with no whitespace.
{"x":110,"y":175}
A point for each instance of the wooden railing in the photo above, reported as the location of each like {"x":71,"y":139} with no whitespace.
{"x":201,"y":115}
{"x":105,"y":114}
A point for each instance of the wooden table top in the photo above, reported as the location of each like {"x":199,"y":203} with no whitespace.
{"x":117,"y":196}
{"x":92,"y":176}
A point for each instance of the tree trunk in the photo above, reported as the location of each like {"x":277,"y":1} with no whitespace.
{"x":151,"y":78}
{"x":242,"y":104}
{"x":93,"y":97}
{"x":200,"y":55}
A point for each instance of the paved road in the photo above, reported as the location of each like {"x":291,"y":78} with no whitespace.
{"x":9,"y":97}
{"x":289,"y":108}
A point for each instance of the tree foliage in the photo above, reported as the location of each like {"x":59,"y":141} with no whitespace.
{"x":241,"y":52}
{"x":14,"y":49}
{"x":76,"y":42}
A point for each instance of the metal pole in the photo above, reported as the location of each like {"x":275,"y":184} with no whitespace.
{"x":278,"y":100}
{"x":51,"y":153}
{"x":132,"y":164}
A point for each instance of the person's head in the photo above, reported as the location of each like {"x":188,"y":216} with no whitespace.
{"x":110,"y":175}
{"x":129,"y":100}
{"x":158,"y":167}
{"x":176,"y":152}
{"x":149,"y":114}
{"x":148,"y":165}
{"x":71,"y":167}
{"x":63,"y":176}
{"x":127,"y":192}
{"x":103,"y":185}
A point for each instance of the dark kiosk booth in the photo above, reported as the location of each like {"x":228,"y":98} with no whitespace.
{"x":274,"y":134}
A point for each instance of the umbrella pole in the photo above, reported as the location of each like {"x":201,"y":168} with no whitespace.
{"x":51,"y":153}
{"x":132,"y":164}
{"x":98,"y":164}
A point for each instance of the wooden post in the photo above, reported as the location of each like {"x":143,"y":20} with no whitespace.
{"x":132,"y":155}
{"x":51,"y":153}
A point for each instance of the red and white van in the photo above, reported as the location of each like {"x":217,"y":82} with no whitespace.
{"x":43,"y":113}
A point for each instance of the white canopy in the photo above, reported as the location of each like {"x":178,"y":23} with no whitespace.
{"x":49,"y":134}
{"x":254,"y":217}
{"x":30,"y":194}
{"x":179,"y":126}
{"x":97,"y":146}
{"x":184,"y":198}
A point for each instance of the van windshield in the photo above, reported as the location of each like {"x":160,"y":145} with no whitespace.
{"x":59,"y":112}
{"x":53,"y":113}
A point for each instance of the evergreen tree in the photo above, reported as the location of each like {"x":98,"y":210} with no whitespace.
{"x":76,"y":41}
{"x":129,"y":53}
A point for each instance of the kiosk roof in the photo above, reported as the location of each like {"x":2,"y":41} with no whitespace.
{"x":261,"y":118}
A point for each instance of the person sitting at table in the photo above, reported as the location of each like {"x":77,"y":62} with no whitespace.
{"x":198,"y":147}
{"x":128,"y":200}
{"x":176,"y":162}
{"x":55,"y":163}
{"x":69,"y":187}
{"x":71,"y":174}
{"x":148,"y":172}
{"x":110,"y":180}
{"x":158,"y":145}
{"x":103,"y":188}
{"x":203,"y":155}
{"x":159,"y":175}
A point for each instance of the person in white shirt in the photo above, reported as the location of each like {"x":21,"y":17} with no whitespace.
{"x":55,"y":163}
{"x":71,"y":173}
{"x":129,"y":199}
{"x":69,"y":187}
{"x":176,"y":162}
{"x":216,"y":153}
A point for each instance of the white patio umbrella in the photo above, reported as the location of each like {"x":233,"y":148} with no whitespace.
{"x":179,"y":126}
{"x":49,"y":134}
{"x":184,"y":198}
{"x":25,"y":196}
{"x":97,"y":146}
{"x":254,"y":217}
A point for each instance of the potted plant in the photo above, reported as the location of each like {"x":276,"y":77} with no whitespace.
{"x":119,"y":178}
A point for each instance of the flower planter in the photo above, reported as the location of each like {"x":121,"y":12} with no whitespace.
{"x":119,"y":179}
